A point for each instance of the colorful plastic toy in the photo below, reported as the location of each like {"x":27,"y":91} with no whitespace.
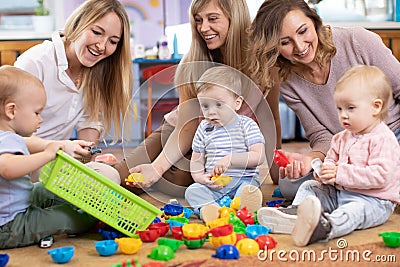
{"x":225,"y":211}
{"x":240,"y":237}
{"x":265,"y":241}
{"x":156,"y":220}
{"x":187,"y":212}
{"x":106,"y":247}
{"x":252,"y":231}
{"x":161,"y":253}
{"x":172,"y":209}
{"x":177,"y":221}
{"x":226,"y":252}
{"x":177,"y":232}
{"x":94,"y":150}
{"x":223,"y":240}
{"x":238,"y":225}
{"x":148,"y":235}
{"x":135,"y":178}
{"x":235,"y":203}
{"x":223,"y":230}
{"x":154,"y":264}
{"x":194,"y":230}
{"x":194,"y":243}
{"x":245,"y":216}
{"x":109,"y":233}
{"x":274,"y":203}
{"x":4,"y":259}
{"x":248,"y":246}
{"x":221,"y":180}
{"x":62,"y":255}
{"x":130,"y":263}
{"x":172,"y":243}
{"x":129,"y":245}
{"x":280,"y":159}
{"x":277,"y":193}
{"x":218,"y":222}
{"x":225,"y":201}
{"x":391,"y":239}
{"x":161,"y":227}
{"x":108,"y":158}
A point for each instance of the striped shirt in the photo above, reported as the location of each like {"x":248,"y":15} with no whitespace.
{"x":216,"y":142}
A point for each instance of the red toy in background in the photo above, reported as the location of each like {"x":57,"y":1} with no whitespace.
{"x":280,"y":159}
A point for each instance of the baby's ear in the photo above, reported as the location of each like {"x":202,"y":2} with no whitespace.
{"x":377,"y":105}
{"x":239,"y":102}
{"x":9,"y":110}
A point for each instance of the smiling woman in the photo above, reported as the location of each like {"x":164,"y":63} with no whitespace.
{"x":83,"y":69}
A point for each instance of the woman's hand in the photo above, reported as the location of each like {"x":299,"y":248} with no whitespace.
{"x":150,"y":172}
{"x":300,"y":165}
{"x":78,"y":149}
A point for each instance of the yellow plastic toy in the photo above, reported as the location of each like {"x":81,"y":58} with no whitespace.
{"x":221,"y":180}
{"x":135,"y":178}
{"x":248,"y":246}
{"x":218,"y":222}
{"x":222,"y":240}
{"x":194,"y":230}
{"x":235,"y":203}
{"x":225,"y":211}
{"x":129,"y":245}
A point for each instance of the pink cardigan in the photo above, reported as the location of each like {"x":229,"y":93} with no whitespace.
{"x":368,"y":164}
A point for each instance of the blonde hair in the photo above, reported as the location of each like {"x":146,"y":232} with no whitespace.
{"x":372,"y":80}
{"x":107,"y":86}
{"x":264,"y":38}
{"x":231,"y":54}
{"x":13,"y":80}
{"x":222,"y":76}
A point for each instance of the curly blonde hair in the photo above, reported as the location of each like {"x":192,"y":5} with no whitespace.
{"x":264,"y":38}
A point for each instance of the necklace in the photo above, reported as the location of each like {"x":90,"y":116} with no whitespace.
{"x":317,"y":76}
{"x":75,"y":77}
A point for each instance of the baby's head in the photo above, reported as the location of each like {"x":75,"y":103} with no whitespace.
{"x":363,"y":94}
{"x":22,"y":98}
{"x":219,"y":91}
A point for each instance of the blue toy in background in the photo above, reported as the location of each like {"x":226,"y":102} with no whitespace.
{"x":109,"y":233}
{"x":274,"y":203}
{"x":277,"y":193}
{"x":187,"y":212}
{"x":106,"y":247}
{"x":156,"y":220}
{"x":226,"y":252}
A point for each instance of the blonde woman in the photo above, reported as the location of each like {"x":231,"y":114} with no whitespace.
{"x":86,"y":71}
{"x":218,"y":36}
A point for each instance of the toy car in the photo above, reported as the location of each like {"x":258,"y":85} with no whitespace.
{"x":46,"y":242}
{"x":94,"y":150}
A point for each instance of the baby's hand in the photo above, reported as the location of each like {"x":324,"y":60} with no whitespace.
{"x":222,"y":165}
{"x":328,"y":174}
{"x":52,"y":148}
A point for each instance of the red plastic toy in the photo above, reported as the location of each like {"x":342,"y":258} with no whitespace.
{"x":265,"y":241}
{"x":280,"y":159}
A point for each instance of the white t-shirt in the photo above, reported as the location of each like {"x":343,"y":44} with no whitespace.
{"x":64,"y":106}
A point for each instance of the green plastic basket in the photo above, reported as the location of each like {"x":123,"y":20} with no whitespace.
{"x":97,"y":195}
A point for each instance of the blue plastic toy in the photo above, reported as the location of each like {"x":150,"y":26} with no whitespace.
{"x":187,"y":212}
{"x":277,"y":193}
{"x":226,"y":252}
{"x":156,"y":220}
{"x":225,"y":201}
{"x":62,"y":255}
{"x":274,"y":203}
{"x":172,"y":209}
{"x":106,"y":247}
{"x":254,"y":230}
{"x":4,"y":259}
{"x":109,"y":233}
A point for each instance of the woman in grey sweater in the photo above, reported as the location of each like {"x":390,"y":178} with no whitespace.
{"x":311,"y":58}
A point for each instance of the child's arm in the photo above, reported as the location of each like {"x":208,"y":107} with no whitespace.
{"x":197,"y":170}
{"x":77,"y":148}
{"x":14,"y":166}
{"x":253,"y":158}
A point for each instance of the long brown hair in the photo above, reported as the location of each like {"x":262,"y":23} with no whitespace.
{"x":107,"y":86}
{"x":264,"y":38}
